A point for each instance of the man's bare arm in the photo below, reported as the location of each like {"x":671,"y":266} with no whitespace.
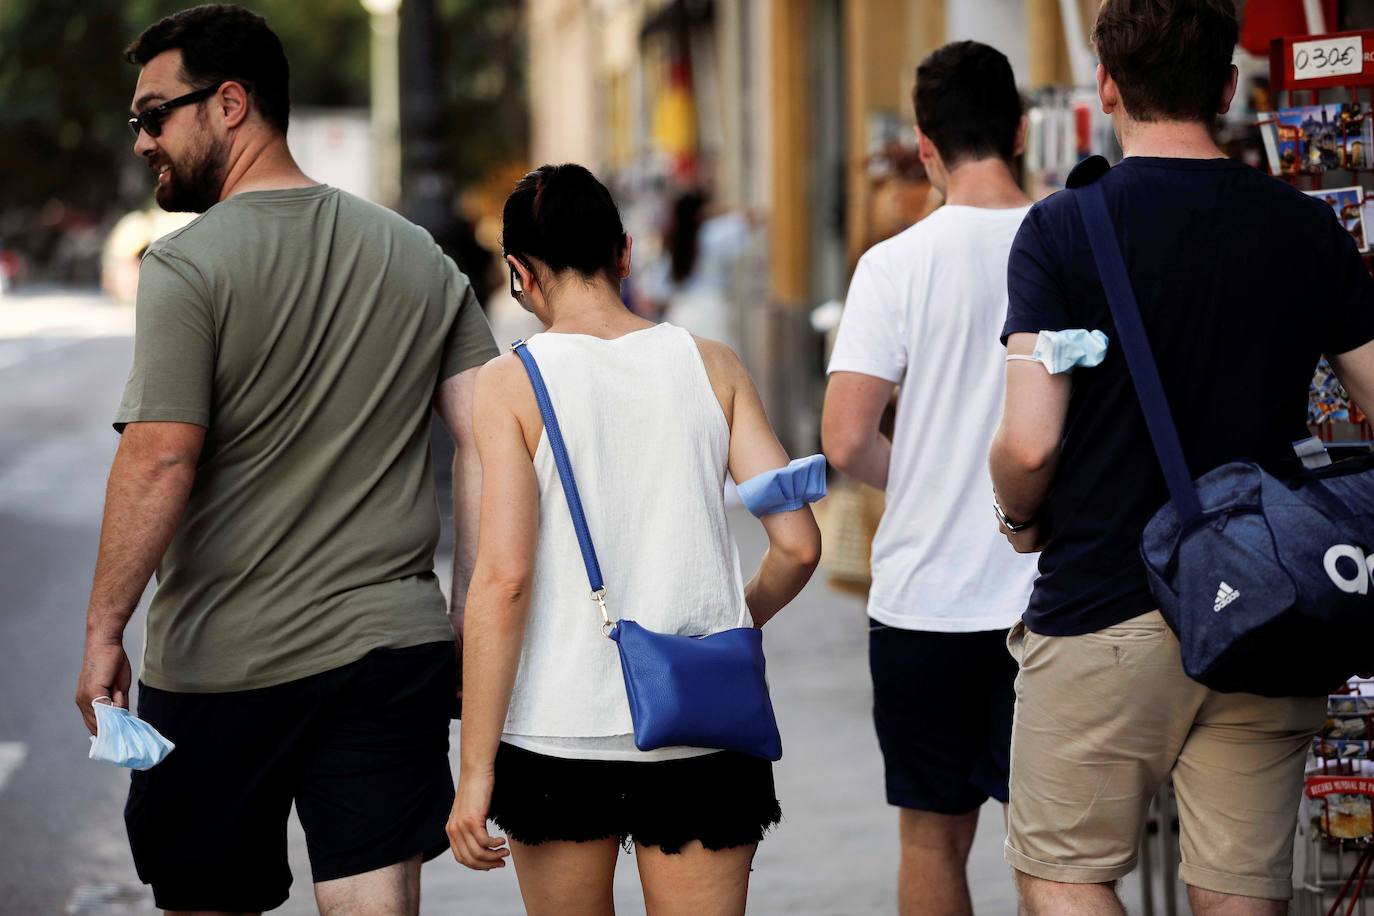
{"x":854,"y":405}
{"x":1025,"y":449}
{"x":454,"y":403}
{"x":1355,"y":369}
{"x":149,"y":484}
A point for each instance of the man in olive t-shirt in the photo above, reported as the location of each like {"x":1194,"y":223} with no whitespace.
{"x":274,"y":466}
{"x":313,"y":371}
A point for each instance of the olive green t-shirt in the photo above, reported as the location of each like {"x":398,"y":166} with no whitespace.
{"x":307,"y":330}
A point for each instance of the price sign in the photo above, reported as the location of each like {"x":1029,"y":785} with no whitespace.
{"x":1342,"y":60}
{"x":1325,"y":57}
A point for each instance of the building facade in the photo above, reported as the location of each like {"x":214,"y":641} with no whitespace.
{"x":782,"y":108}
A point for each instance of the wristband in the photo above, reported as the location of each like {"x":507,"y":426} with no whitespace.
{"x":1013,"y":527}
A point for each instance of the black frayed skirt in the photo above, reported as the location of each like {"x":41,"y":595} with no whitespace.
{"x":724,"y":799}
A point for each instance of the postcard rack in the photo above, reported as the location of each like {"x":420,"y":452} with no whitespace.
{"x":1336,"y":826}
{"x":1301,"y":68}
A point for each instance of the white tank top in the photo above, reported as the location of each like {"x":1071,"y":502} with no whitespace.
{"x":648,"y":445}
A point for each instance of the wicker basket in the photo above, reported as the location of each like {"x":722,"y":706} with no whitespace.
{"x":849,"y":518}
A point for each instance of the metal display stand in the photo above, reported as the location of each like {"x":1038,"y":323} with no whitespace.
{"x":1329,"y":867}
{"x":1332,"y":875}
{"x":1336,"y":830}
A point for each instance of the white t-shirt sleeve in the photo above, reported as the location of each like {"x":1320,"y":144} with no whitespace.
{"x":872,"y":335}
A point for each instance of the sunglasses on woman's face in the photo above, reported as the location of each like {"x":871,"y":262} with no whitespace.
{"x":150,"y":121}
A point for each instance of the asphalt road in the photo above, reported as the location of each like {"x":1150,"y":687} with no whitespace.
{"x":62,"y":845}
{"x":61,"y":841}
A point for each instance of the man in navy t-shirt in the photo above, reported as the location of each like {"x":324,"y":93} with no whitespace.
{"x":1243,"y":283}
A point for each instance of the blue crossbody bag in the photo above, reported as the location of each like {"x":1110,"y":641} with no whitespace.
{"x":692,"y":691}
{"x":1266,"y":580}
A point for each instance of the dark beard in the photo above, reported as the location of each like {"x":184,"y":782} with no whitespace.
{"x":194,"y":187}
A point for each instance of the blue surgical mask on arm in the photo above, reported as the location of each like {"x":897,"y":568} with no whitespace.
{"x":1064,"y":351}
{"x":124,"y":739}
{"x":785,"y":489}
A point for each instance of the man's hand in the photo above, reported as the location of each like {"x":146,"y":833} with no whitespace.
{"x":1027,"y":540}
{"x":105,"y":672}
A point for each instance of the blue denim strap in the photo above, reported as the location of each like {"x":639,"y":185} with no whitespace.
{"x":1140,"y":361}
{"x":565,"y":471}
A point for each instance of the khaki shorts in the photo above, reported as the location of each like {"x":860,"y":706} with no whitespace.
{"x":1103,"y":719}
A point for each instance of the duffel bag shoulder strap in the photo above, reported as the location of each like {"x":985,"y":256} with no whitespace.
{"x":565,"y":475}
{"x":1130,"y":331}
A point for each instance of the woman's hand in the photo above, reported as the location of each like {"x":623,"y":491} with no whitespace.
{"x":467,"y":825}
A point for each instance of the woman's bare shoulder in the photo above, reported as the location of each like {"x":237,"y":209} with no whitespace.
{"x":723,"y":364}
{"x":496,"y":380}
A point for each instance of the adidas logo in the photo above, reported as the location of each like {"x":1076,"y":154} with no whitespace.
{"x":1225,"y":595}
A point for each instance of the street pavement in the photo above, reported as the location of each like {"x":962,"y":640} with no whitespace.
{"x":63,"y":360}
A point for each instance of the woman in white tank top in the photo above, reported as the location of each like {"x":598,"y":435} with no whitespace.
{"x":653,"y":419}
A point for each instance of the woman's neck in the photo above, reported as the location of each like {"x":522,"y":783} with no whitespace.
{"x":596,"y":310}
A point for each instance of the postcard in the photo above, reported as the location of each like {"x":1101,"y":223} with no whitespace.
{"x":1319,"y":138}
{"x":1348,"y":205}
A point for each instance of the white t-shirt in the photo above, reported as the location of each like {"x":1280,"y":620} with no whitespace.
{"x":925,"y":310}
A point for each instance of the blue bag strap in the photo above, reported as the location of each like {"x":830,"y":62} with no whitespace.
{"x":565,"y":472}
{"x":1130,"y":330}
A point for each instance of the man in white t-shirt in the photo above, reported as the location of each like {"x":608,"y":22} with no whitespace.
{"x":924,"y":311}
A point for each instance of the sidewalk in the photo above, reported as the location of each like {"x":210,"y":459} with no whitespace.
{"x":39,"y":323}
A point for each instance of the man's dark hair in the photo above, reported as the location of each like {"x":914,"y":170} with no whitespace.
{"x":221,"y":42}
{"x":967,"y":103}
{"x":1171,"y":59}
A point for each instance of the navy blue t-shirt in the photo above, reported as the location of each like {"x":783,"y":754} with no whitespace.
{"x":1243,"y":282}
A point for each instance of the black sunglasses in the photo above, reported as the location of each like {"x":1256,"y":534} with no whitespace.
{"x":151,"y":120}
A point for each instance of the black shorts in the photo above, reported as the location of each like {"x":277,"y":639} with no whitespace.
{"x":723,"y":799}
{"x":942,"y":704}
{"x":361,"y":750}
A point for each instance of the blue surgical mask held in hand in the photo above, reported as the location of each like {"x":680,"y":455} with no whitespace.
{"x":785,"y":489}
{"x":1064,"y":351}
{"x":124,"y":739}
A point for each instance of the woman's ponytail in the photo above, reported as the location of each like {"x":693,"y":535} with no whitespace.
{"x":563,"y":216}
